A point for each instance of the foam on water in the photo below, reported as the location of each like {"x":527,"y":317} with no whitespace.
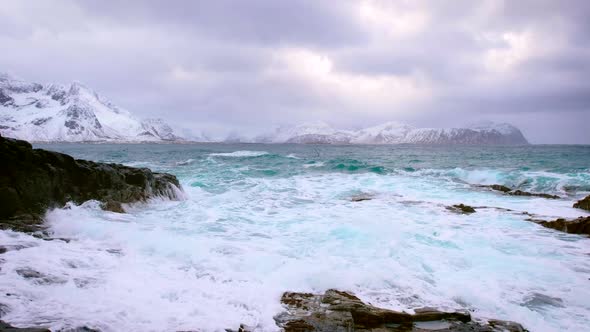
{"x":242,"y":237}
{"x":244,"y":153}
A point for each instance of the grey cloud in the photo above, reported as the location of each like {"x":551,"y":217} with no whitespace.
{"x":129,"y":51}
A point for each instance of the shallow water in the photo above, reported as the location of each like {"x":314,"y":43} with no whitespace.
{"x":263,"y":219}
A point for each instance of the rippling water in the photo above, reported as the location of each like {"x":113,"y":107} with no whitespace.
{"x":263,"y":219}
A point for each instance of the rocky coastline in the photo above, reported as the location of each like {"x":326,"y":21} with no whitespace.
{"x":35,"y":180}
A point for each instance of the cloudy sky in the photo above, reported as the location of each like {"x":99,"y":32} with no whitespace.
{"x":247,"y":66}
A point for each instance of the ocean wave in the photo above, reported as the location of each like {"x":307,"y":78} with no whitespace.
{"x":185,"y":162}
{"x":240,"y":153}
{"x":537,"y":181}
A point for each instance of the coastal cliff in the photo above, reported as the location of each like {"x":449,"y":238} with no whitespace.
{"x":34,"y":180}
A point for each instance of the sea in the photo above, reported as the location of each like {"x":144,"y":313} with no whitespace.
{"x":258,"y":220}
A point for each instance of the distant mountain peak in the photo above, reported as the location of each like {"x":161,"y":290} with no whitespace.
{"x":394,"y":132}
{"x":73,"y":113}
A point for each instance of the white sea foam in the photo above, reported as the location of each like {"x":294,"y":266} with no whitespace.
{"x":185,"y":162}
{"x":241,"y":153}
{"x":219,"y":259}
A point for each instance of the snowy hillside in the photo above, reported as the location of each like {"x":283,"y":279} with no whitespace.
{"x":74,"y":113}
{"x":396,"y":133}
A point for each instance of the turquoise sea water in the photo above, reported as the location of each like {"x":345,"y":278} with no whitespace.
{"x":259,"y":220}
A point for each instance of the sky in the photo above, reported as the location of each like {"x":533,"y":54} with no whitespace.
{"x":247,"y":66}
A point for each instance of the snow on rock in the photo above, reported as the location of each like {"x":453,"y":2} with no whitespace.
{"x":397,"y":133}
{"x":75,"y":113}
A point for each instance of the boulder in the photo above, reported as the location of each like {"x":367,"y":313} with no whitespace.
{"x":34,"y":180}
{"x":579,"y":225}
{"x":583,"y":203}
{"x":5,"y":327}
{"x":510,"y":191}
{"x":338,"y":311}
{"x":461,"y":208}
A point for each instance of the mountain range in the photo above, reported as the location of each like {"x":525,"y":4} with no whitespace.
{"x":75,"y":113}
{"x":397,"y":133}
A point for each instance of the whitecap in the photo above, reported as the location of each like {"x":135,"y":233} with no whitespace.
{"x":240,"y":153}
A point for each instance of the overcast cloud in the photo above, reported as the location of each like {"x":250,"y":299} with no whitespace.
{"x":222,"y":66}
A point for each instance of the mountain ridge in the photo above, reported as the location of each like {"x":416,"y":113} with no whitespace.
{"x":74,"y":113}
{"x":486,"y":133}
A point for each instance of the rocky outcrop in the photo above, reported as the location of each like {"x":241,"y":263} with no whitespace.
{"x":461,"y":208}
{"x":583,"y":203}
{"x":338,"y":311}
{"x":510,"y":191}
{"x":362,"y":197}
{"x":5,"y":327}
{"x":579,"y":225}
{"x":33,"y":180}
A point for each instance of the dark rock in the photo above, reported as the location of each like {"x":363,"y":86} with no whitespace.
{"x":499,"y":187}
{"x":539,"y":301}
{"x":79,"y":329}
{"x":583,"y":203}
{"x":461,"y":208}
{"x":505,"y":325}
{"x":39,"y":278}
{"x":15,"y":247}
{"x":579,"y":225}
{"x":526,"y":193}
{"x":362,"y":197}
{"x":4,"y":309}
{"x":341,"y":311}
{"x":34,"y":180}
{"x":5,"y":327}
{"x":509,"y":191}
{"x":112,"y":206}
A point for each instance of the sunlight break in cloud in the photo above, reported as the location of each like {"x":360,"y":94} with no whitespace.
{"x":317,"y":72}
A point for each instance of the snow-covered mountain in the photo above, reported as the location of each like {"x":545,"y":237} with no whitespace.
{"x":73,"y":113}
{"x":397,"y":133}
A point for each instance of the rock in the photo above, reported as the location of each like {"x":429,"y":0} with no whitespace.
{"x":461,"y":208}
{"x":579,"y":225}
{"x":15,"y":247}
{"x":583,"y":203}
{"x":33,"y":180}
{"x":505,"y":325}
{"x":362,"y":197}
{"x":509,"y":191}
{"x":5,"y":327}
{"x":112,"y":206}
{"x":526,"y":193}
{"x":341,"y":311}
{"x":499,"y":187}
{"x":79,"y":329}
{"x":4,"y":309}
{"x":39,"y":277}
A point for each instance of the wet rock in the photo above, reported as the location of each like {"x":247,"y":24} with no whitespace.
{"x":39,"y":277}
{"x":509,"y":191}
{"x":505,"y":325}
{"x":112,"y":206}
{"x":583,"y":203}
{"x":34,"y":180}
{"x":538,"y":301}
{"x":499,"y":187}
{"x":79,"y":329}
{"x":362,"y":197}
{"x":579,"y":225}
{"x":461,"y":208}
{"x":341,"y":311}
{"x":242,"y":328}
{"x":4,"y":309}
{"x":5,"y":327}
{"x":526,"y":193}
